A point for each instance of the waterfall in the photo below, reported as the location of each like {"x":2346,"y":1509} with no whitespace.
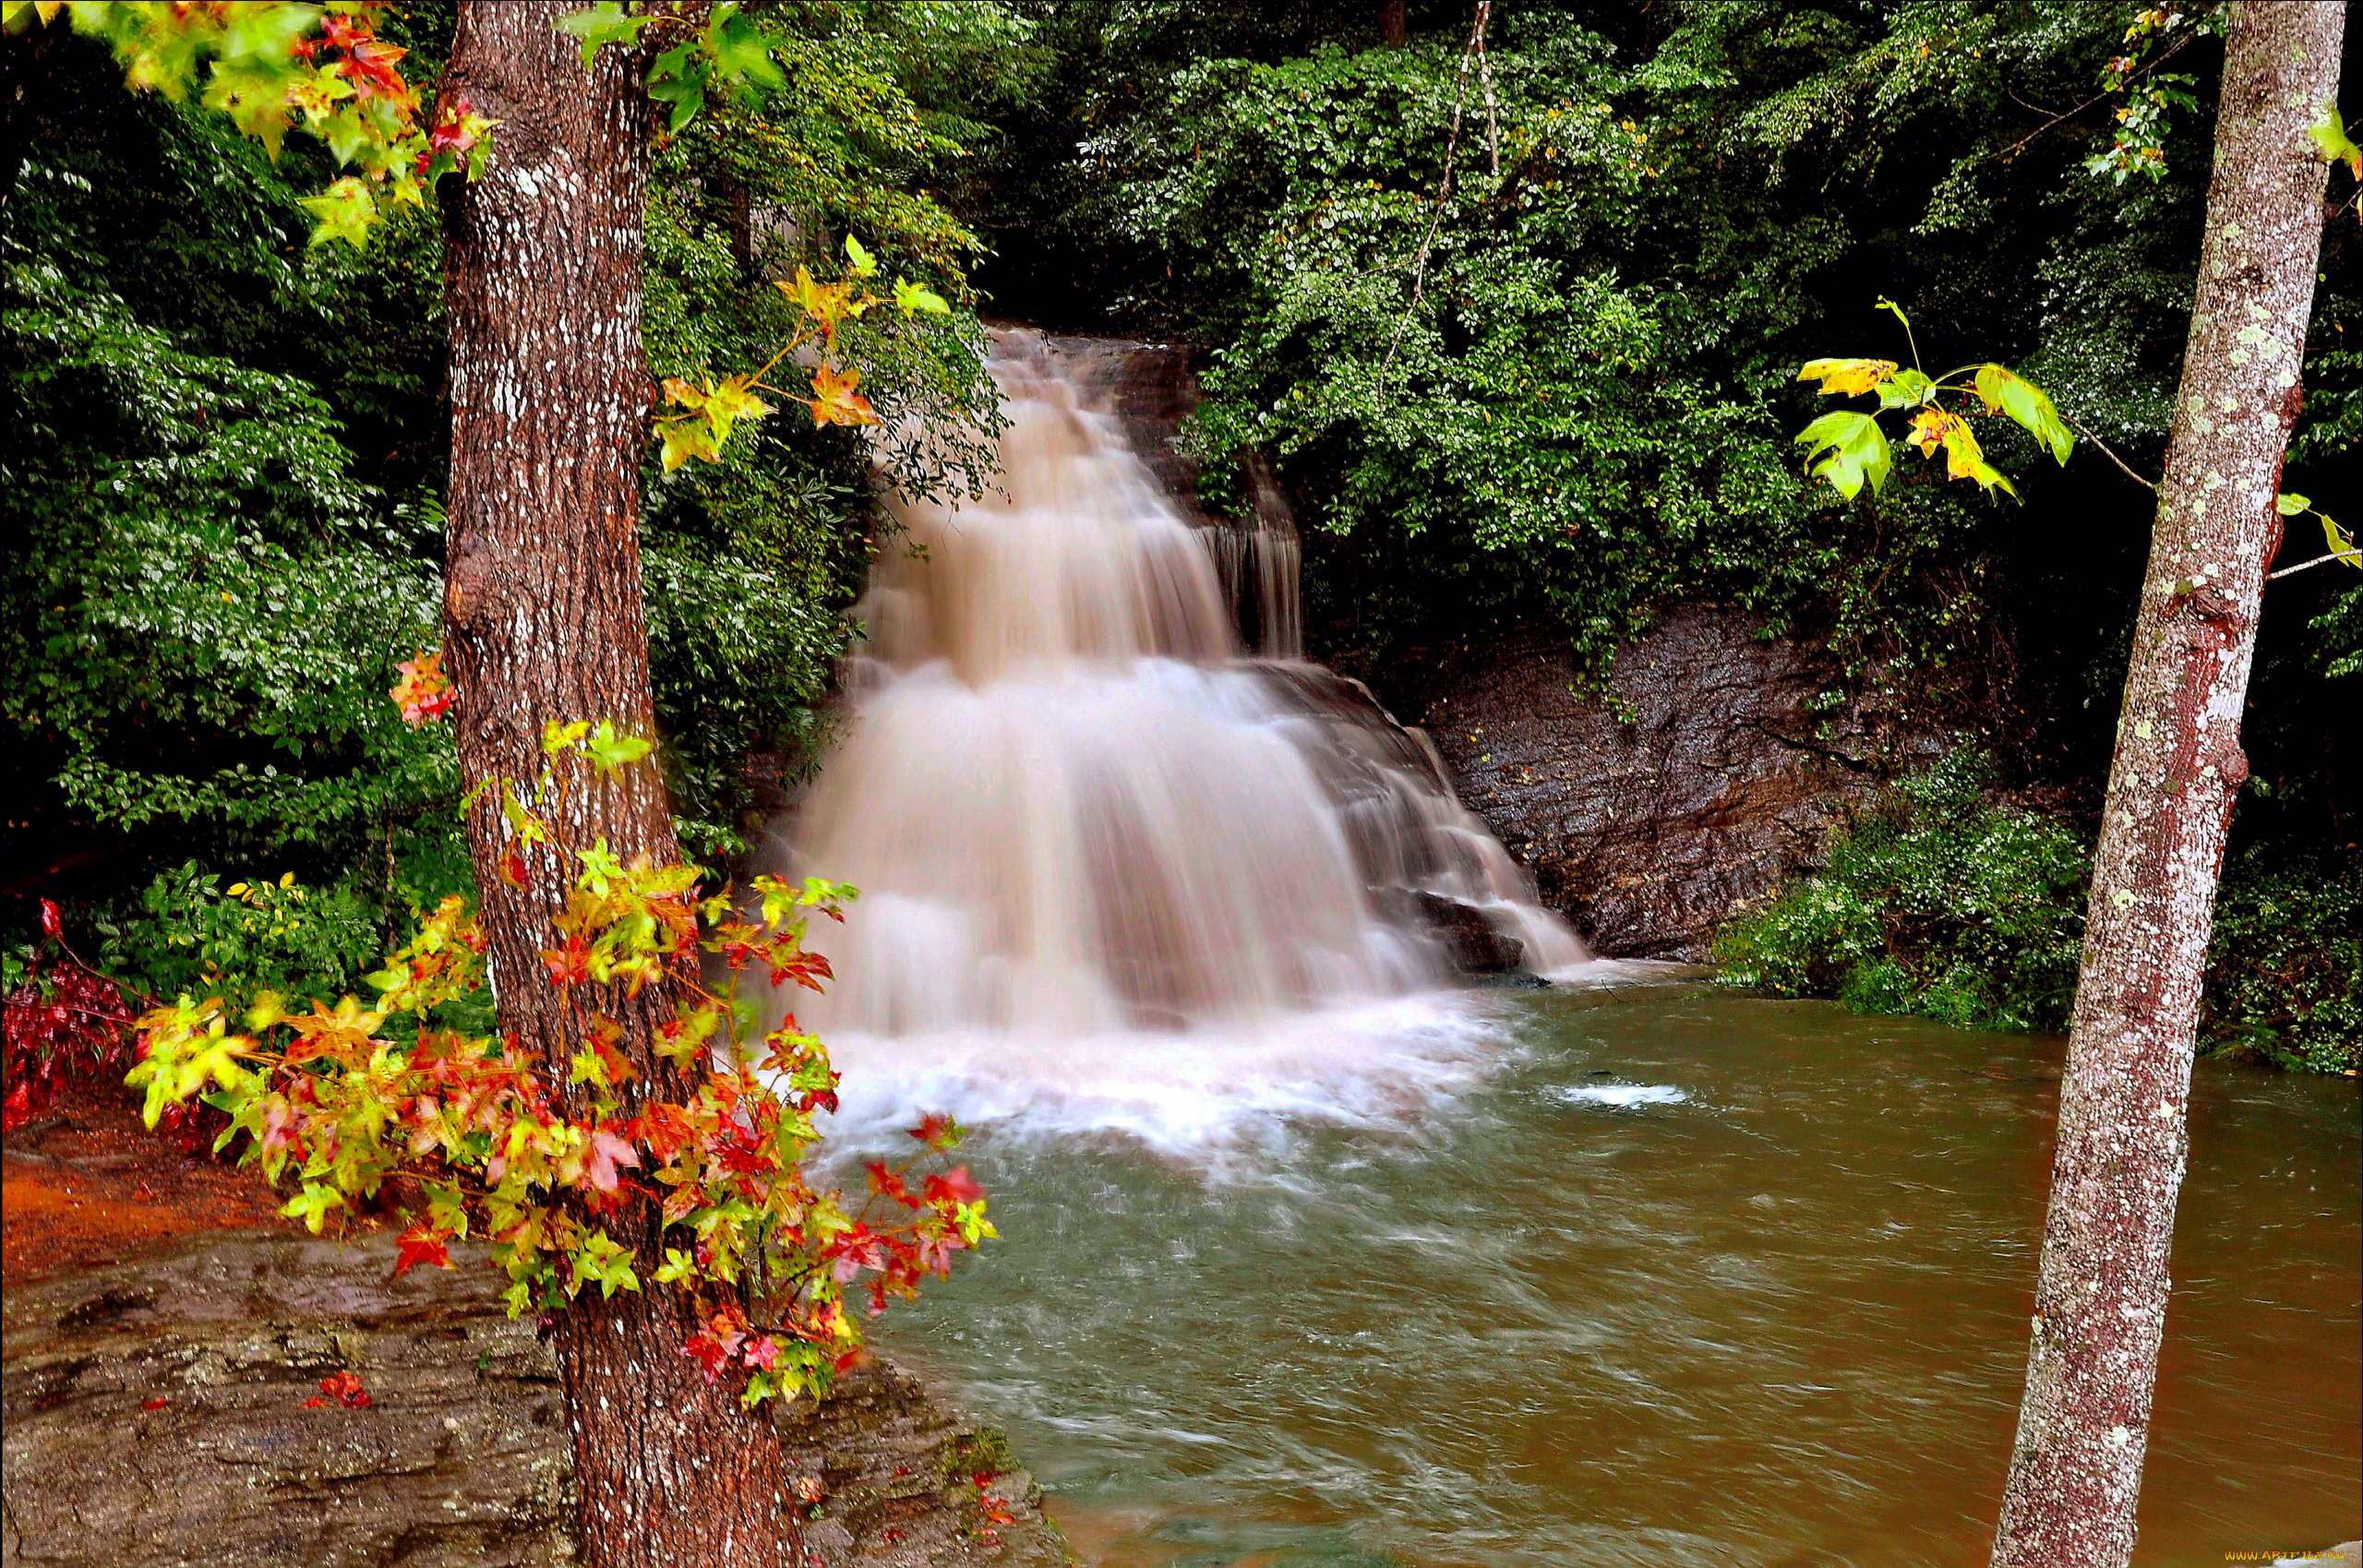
{"x":1075,"y":803}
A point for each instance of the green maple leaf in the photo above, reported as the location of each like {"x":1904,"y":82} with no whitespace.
{"x":2337,"y":147}
{"x":741,"y":53}
{"x":2005,"y":392}
{"x":601,"y":1263}
{"x":603,"y":23}
{"x":601,"y":870}
{"x":678,"y":78}
{"x":312,"y":1205}
{"x":910,"y":297}
{"x":346,"y":212}
{"x":1857,"y":450}
{"x":687,"y":439}
{"x":609,"y":752}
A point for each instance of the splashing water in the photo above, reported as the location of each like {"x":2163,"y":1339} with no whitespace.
{"x":1114,"y":872}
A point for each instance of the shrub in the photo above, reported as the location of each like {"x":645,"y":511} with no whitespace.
{"x":2284,"y":978}
{"x":197,"y":938}
{"x":1939,"y":905}
{"x":1934,"y":904}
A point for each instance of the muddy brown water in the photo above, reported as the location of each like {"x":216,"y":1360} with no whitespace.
{"x":1670,"y":1276}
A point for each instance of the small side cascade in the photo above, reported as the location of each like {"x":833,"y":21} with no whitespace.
{"x":1077,"y":805}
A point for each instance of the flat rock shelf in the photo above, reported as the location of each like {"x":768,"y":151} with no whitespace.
{"x":156,"y":1415}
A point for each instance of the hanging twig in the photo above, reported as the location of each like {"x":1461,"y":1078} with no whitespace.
{"x":1443,"y":193}
{"x":2150,"y":485}
{"x":1486,"y":78}
{"x":2164,"y":55}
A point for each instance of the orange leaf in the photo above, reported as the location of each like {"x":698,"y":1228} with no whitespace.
{"x":834,"y":402}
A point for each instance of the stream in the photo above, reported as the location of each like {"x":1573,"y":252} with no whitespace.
{"x":1673,"y":1277}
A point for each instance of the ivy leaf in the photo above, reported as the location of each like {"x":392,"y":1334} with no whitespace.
{"x":345,"y":212}
{"x":2337,"y":147}
{"x":864,"y":264}
{"x":2005,"y":392}
{"x":1857,"y":448}
{"x":603,"y":23}
{"x":910,"y":297}
{"x":1844,"y":378}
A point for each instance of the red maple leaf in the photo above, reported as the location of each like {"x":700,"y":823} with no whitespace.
{"x":889,"y":1183}
{"x":340,"y":1388}
{"x":569,"y":965}
{"x":955,"y":1185}
{"x":938,"y":1131}
{"x":422,"y":1243}
{"x":607,"y":1151}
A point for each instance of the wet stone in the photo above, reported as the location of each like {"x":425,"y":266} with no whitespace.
{"x":1715,"y":765}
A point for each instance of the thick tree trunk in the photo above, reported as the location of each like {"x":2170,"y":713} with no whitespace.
{"x":543,"y":622}
{"x":2100,"y":1303}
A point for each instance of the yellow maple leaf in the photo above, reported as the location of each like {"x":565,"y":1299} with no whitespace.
{"x":1845,"y":377}
{"x":1928,"y":429}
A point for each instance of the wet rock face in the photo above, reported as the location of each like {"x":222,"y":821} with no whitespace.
{"x":155,"y":1415}
{"x":1711,"y":770}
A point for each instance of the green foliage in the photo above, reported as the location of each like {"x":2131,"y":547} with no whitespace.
{"x":2285,"y":978}
{"x":201,"y":939}
{"x":199,"y":565}
{"x":1567,"y":384}
{"x":1938,"y":903}
{"x":1935,"y":903}
{"x":223,"y":526}
{"x":258,"y":64}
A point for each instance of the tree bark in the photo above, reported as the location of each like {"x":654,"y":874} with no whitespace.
{"x":1392,"y":28}
{"x":2100,"y":1298}
{"x":543,"y":622}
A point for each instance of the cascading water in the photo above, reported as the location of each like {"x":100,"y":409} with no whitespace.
{"x":1078,"y":811}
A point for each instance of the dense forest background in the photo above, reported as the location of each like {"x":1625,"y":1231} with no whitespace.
{"x":224,"y":527}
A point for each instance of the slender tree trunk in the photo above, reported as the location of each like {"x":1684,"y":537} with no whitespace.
{"x":2100,"y":1303}
{"x":543,"y":622}
{"x":1392,"y":28}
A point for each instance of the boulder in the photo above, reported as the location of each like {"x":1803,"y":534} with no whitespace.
{"x":156,"y":1415}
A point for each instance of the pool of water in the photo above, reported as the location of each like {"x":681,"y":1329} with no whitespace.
{"x":1671,"y":1276}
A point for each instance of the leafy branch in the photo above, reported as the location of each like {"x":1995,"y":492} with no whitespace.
{"x":262,"y":64}
{"x":475,"y":1136}
{"x":1850,"y":449}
